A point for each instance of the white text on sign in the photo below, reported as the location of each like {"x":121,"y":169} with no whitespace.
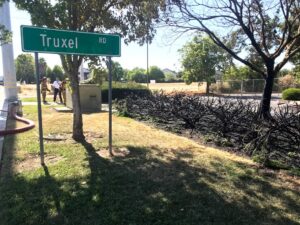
{"x":59,"y":42}
{"x":102,"y":40}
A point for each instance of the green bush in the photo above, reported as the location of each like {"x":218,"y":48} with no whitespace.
{"x":291,"y":94}
{"x":122,"y":90}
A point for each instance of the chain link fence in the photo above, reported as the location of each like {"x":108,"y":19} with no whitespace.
{"x":243,"y":86}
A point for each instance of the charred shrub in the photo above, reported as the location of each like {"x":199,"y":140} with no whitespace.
{"x":228,"y":122}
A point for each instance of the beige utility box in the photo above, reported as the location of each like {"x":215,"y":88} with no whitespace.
{"x":90,"y":98}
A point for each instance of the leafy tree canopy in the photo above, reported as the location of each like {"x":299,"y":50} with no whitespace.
{"x":240,"y":73}
{"x":138,"y":75}
{"x":156,"y":73}
{"x":25,"y":68}
{"x":117,"y":71}
{"x":5,"y":35}
{"x":201,"y":58}
{"x":58,"y":72}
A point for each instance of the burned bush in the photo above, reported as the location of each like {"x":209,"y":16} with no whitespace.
{"x":227,"y":121}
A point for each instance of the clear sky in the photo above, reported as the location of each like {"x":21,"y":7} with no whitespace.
{"x":163,"y":52}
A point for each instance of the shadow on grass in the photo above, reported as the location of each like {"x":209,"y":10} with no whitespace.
{"x":140,"y":189}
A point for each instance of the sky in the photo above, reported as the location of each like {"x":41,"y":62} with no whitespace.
{"x":163,"y":51}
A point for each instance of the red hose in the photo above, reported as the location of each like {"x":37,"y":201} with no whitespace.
{"x":30,"y":125}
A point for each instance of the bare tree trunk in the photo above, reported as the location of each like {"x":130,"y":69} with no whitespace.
{"x":71,"y":65}
{"x":77,"y":114}
{"x":207,"y":87}
{"x":265,"y":105}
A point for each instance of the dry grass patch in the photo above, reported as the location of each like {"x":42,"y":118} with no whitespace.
{"x":170,"y":87}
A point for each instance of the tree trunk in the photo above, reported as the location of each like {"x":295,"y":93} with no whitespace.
{"x":77,"y":114}
{"x":265,"y":105}
{"x":207,"y":87}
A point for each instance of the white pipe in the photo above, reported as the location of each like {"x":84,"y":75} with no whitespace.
{"x":9,"y":72}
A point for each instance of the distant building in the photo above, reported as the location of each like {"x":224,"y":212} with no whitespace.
{"x":171,"y":74}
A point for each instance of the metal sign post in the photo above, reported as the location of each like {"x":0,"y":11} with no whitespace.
{"x":40,"y":39}
{"x":38,"y":92}
{"x":110,"y":107}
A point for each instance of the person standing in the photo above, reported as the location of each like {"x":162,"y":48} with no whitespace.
{"x":44,"y":89}
{"x":56,"y":86}
{"x":63,"y":90}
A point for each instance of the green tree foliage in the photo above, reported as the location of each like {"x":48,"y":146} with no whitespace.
{"x":126,"y":71}
{"x":284,"y":72}
{"x":25,"y":68}
{"x":138,"y":75}
{"x":296,"y":61}
{"x":236,"y":73}
{"x":98,"y":75}
{"x":201,"y":58}
{"x":268,"y":28}
{"x":49,"y":74}
{"x":156,"y":73}
{"x":240,"y":73}
{"x":132,"y":19}
{"x":170,"y":77}
{"x":117,"y":71}
{"x":58,"y":72}
{"x":98,"y":72}
{"x":5,"y":35}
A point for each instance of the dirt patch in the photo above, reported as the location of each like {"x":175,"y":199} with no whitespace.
{"x":90,"y":136}
{"x":33,"y":162}
{"x":117,"y":152}
{"x":55,"y":137}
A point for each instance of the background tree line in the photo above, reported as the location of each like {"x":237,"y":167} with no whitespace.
{"x":25,"y":69}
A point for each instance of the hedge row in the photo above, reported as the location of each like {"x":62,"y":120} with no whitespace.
{"x":123,"y":90}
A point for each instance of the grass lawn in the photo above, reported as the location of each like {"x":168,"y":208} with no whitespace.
{"x":49,"y":98}
{"x":166,"y":179}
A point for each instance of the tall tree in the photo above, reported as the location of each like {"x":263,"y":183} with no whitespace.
{"x":124,"y":17}
{"x":156,"y":73}
{"x":138,"y":75}
{"x":117,"y":71}
{"x":25,"y":68}
{"x":270,"y":28}
{"x":201,"y":58}
{"x":58,"y":72}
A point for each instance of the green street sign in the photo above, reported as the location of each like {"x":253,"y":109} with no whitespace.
{"x":39,"y":39}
